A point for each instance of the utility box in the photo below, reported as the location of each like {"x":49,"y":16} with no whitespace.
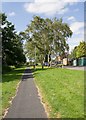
{"x":65,"y":61}
{"x":75,"y":63}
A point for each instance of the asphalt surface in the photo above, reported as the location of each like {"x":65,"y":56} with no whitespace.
{"x":27,"y":103}
{"x":75,"y":68}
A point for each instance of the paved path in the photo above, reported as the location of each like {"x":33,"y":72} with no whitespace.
{"x":75,"y":68}
{"x":27,"y":103}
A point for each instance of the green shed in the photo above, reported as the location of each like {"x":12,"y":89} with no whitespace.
{"x":82,"y":61}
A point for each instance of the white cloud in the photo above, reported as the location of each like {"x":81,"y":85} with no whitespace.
{"x":49,"y":7}
{"x":70,"y":1}
{"x":45,"y":1}
{"x":11,"y":14}
{"x":52,"y":1}
{"x":71,"y":18}
{"x":63,"y":11}
{"x":77,"y":26}
{"x":74,"y":42}
{"x":78,"y":34}
{"x":46,"y":8}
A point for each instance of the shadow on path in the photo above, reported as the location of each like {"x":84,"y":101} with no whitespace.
{"x":27,"y":102}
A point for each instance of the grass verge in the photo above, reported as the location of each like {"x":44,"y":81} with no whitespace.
{"x":10,"y":81}
{"x":63,"y":90}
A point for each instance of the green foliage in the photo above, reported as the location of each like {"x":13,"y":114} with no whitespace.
{"x":79,"y":51}
{"x":47,"y":36}
{"x":73,"y":53}
{"x":6,"y":69}
{"x":12,"y":49}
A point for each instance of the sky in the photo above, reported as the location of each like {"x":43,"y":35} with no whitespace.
{"x":71,"y":11}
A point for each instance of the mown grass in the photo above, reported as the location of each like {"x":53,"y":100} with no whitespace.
{"x":10,"y":81}
{"x":62,"y":90}
{"x":0,"y":100}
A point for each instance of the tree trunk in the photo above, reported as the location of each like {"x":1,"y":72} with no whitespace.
{"x":34,"y":66}
{"x":48,"y":60}
{"x":42,"y":64}
{"x":51,"y":63}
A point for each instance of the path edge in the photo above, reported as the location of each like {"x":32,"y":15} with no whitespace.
{"x":13,"y":97}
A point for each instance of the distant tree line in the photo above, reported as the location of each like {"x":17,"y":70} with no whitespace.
{"x":12,"y":44}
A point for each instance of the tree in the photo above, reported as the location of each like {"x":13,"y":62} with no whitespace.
{"x":74,"y":52}
{"x":81,"y":50}
{"x":12,"y":49}
{"x":48,"y":36}
{"x":61,"y":32}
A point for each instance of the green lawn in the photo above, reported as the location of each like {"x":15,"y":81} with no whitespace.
{"x":62,"y":91}
{"x":0,"y":99}
{"x":10,"y":81}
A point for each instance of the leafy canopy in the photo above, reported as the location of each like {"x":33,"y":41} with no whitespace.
{"x":48,"y":36}
{"x":12,"y":49}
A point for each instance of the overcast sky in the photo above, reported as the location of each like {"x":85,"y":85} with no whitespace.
{"x":72,"y":11}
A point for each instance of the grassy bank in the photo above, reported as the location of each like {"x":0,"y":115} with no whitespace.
{"x":62,"y":90}
{"x":10,"y":81}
